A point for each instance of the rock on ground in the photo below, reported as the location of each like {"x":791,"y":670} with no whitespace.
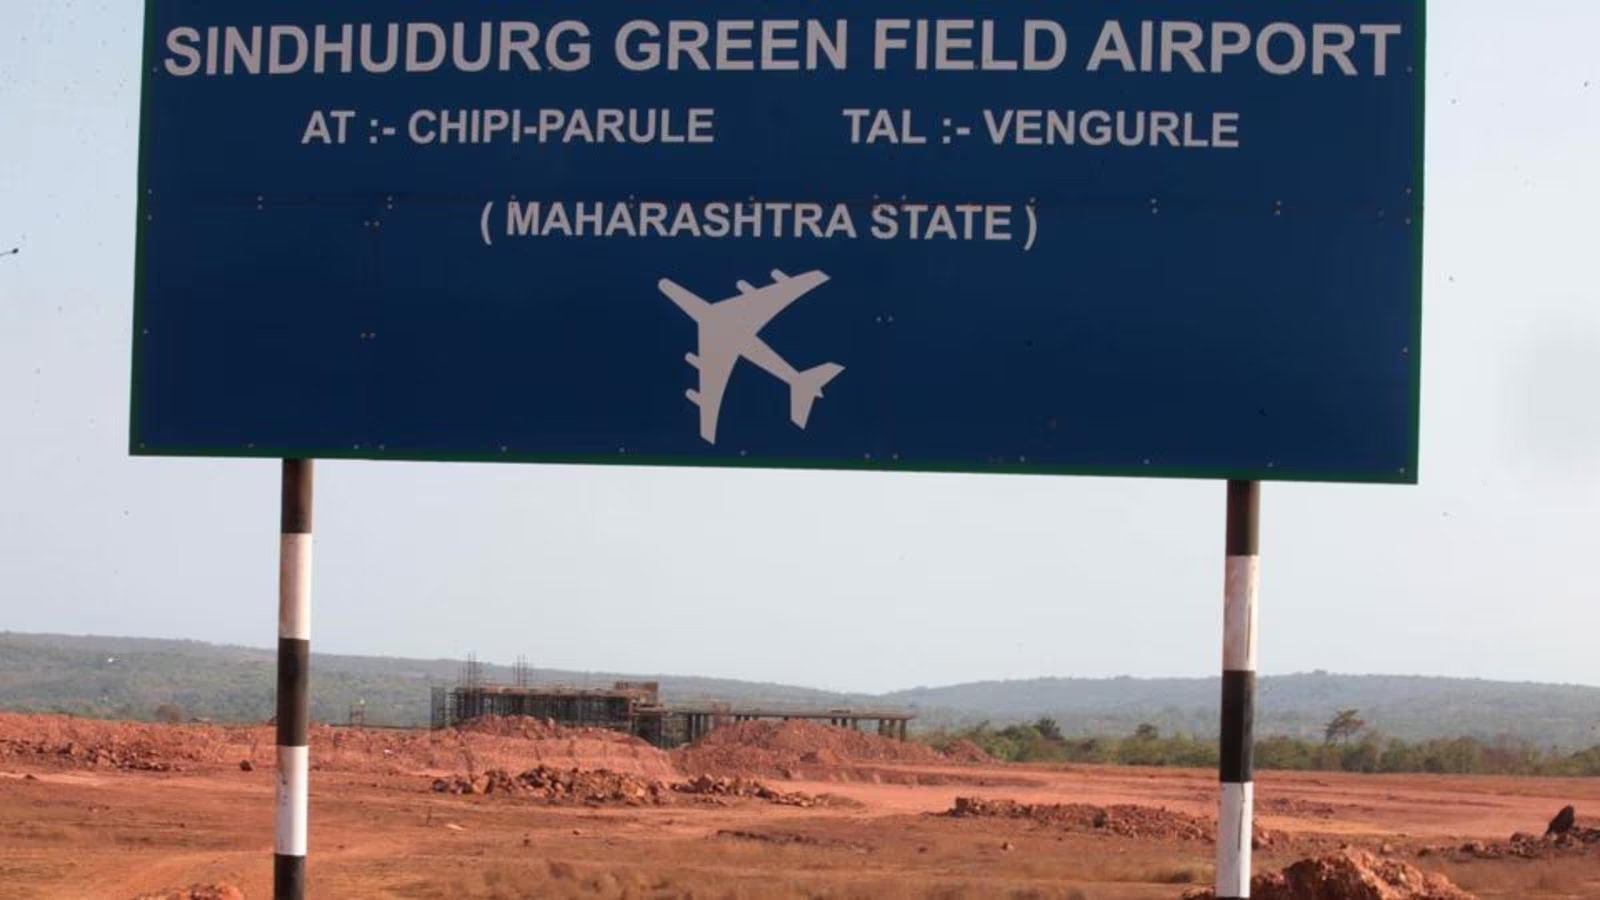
{"x":1563,"y":821}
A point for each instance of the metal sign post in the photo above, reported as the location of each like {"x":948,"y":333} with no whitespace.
{"x":1236,"y":815}
{"x":294,"y":667}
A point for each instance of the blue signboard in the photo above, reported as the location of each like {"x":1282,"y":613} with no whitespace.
{"x":1146,"y":237}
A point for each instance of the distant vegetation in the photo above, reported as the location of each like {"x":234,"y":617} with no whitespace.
{"x":1346,"y":748}
{"x":147,"y":680}
{"x":1412,"y":708}
{"x":1394,"y":723}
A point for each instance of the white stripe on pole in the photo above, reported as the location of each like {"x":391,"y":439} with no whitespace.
{"x":294,"y":587}
{"x":1239,"y":613}
{"x":294,"y":764}
{"x":1233,"y":840}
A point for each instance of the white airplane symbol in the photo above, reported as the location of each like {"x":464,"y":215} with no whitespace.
{"x":728,"y":331}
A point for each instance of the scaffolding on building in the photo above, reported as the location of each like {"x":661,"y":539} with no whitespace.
{"x":633,"y":707}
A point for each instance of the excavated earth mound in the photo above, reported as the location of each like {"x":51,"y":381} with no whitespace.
{"x":1121,"y":820}
{"x":511,"y":744}
{"x":89,"y":743}
{"x":965,"y":751}
{"x":1351,"y":875}
{"x":786,"y":748}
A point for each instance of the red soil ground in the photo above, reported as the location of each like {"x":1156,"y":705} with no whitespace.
{"x":120,"y":811}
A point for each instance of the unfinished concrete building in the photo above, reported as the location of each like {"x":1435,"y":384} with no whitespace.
{"x":635,"y":707}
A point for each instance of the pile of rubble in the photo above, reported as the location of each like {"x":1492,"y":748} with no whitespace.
{"x":1350,"y":875}
{"x":707,"y":786}
{"x":1563,"y":837}
{"x":599,"y":787}
{"x":137,"y":756}
{"x":1120,"y":820}
{"x":602,"y":787}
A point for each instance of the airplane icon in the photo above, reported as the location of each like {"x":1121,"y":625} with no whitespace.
{"x":729,"y":329}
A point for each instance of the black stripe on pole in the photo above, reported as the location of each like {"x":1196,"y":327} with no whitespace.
{"x":1244,"y":518}
{"x":296,"y":496}
{"x":1238,"y":727}
{"x":288,"y":875}
{"x":294,"y":671}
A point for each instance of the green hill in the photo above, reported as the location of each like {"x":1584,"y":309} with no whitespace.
{"x":1409,"y":707}
{"x":130,"y":677}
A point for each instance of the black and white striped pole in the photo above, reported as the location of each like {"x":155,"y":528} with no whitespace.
{"x":294,"y":664}
{"x":1237,"y":813}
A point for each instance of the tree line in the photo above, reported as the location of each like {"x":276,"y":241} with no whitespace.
{"x":1347,"y":746}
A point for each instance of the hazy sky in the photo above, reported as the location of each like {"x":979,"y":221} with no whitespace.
{"x":851,"y":581}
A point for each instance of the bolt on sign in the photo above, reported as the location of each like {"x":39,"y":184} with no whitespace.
{"x":1133,"y":237}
